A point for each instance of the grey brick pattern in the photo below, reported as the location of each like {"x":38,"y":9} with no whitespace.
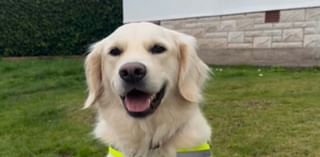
{"x":297,"y":28}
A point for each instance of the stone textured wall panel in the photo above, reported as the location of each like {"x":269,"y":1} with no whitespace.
{"x":290,"y":35}
{"x":248,"y":32}
{"x":292,"y":15}
{"x":262,"y":42}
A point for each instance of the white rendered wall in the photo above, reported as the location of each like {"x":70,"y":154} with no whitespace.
{"x":151,"y":10}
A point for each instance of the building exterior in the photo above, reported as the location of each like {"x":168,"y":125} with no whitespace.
{"x":285,"y":33}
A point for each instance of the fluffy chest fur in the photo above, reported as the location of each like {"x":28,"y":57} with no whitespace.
{"x":158,"y":136}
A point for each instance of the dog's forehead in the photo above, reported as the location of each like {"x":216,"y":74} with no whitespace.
{"x":141,"y":30}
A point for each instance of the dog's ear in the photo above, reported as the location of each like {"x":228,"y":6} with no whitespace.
{"x":193,"y":72}
{"x":93,"y":70}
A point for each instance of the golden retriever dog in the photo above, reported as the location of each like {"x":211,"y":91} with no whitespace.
{"x":146,"y":82}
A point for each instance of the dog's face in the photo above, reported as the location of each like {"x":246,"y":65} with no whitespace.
{"x":140,"y":64}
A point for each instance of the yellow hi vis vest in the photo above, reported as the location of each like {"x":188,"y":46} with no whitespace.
{"x":200,"y":151}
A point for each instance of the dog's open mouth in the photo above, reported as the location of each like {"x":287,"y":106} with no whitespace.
{"x":140,"y":104}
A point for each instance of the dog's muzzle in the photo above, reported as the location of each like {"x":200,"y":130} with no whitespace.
{"x":138,"y":101}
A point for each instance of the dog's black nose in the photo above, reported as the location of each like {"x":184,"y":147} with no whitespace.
{"x":132,"y":72}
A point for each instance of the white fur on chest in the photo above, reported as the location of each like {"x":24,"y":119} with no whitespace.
{"x":134,"y":137}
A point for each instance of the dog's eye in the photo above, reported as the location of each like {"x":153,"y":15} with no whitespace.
{"x":156,"y":49}
{"x":115,"y":51}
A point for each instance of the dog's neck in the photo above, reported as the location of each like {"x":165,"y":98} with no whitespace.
{"x":154,"y":134}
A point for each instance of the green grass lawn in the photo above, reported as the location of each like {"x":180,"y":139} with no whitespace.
{"x":276,"y":115}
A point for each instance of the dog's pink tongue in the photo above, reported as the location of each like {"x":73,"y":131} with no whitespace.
{"x":138,"y":103}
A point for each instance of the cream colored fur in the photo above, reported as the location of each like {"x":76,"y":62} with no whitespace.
{"x":178,"y":121}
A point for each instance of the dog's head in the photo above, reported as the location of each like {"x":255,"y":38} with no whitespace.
{"x":140,"y":65}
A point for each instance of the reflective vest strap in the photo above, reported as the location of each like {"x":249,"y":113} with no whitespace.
{"x":204,"y":147}
{"x":200,"y":151}
{"x":114,"y":153}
